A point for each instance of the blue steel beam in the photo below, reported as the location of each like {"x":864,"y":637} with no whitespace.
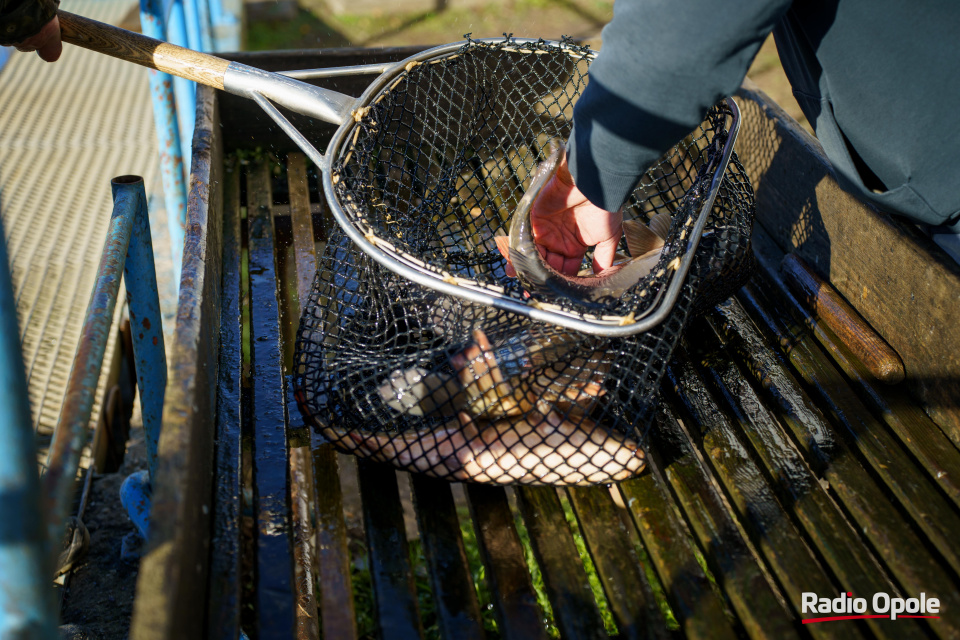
{"x":26,"y":597}
{"x":168,"y":137}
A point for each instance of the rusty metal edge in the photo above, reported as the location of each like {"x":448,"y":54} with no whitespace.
{"x":171,"y":586}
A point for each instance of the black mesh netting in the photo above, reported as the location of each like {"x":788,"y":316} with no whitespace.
{"x":395,"y":371}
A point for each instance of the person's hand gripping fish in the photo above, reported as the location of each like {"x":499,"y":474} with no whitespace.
{"x":566,"y":224}
{"x":554,"y":225}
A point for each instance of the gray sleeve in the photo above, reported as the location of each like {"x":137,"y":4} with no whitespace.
{"x":662,"y":65}
{"x":21,"y":19}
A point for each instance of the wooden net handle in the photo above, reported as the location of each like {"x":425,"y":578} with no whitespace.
{"x":133,"y":47}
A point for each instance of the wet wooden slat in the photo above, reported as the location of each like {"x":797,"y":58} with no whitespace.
{"x":224,"y":598}
{"x":302,"y":221}
{"x":831,"y":309}
{"x":698,"y":609}
{"x":275,"y":605}
{"x":301,"y":463}
{"x":733,"y":563}
{"x":514,"y":600}
{"x":904,"y":553}
{"x":925,"y":440}
{"x":455,"y":596}
{"x":934,"y":514}
{"x":337,"y":614}
{"x":776,"y":538}
{"x":624,"y":583}
{"x":395,"y":598}
{"x":827,"y":530}
{"x":564,"y":577}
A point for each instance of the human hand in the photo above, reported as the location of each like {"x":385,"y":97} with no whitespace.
{"x":46,"y":43}
{"x":566,"y":224}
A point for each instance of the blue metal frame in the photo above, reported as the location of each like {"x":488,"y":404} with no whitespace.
{"x":205,"y":25}
{"x":128,"y":250}
{"x":26,"y":598}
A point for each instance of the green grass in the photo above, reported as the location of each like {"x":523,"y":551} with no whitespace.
{"x":316,"y":26}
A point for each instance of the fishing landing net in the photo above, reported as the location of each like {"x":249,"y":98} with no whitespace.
{"x":390,"y":369}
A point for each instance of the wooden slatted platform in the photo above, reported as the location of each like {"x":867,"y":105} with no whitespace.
{"x":778,"y":466}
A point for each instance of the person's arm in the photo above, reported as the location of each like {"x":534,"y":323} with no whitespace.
{"x":31,"y":25}
{"x":662,"y":66}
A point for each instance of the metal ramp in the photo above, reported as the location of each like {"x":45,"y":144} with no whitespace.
{"x":66,"y":129}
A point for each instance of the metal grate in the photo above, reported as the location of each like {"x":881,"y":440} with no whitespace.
{"x":65,"y":130}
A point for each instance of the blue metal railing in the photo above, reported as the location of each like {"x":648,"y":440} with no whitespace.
{"x":26,"y":596}
{"x":204,"y":25}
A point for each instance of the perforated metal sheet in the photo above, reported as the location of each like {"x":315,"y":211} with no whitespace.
{"x":66,"y":129}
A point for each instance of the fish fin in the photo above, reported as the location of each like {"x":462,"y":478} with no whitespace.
{"x":534,"y":274}
{"x":640,"y":238}
{"x":503,"y":246}
{"x":660,"y":224}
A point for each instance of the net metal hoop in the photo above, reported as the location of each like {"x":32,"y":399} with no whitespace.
{"x":423,"y":274}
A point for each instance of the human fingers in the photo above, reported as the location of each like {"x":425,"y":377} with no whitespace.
{"x":564,"y":264}
{"x":604,"y":254}
{"x":46,"y":43}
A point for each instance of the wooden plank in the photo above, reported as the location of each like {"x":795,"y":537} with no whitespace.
{"x":909,"y":291}
{"x":394,"y":594}
{"x":301,"y":271}
{"x":929,"y":508}
{"x":913,"y":427}
{"x":514,"y":600}
{"x":565,"y":580}
{"x":624,"y":583}
{"x":839,"y":546}
{"x":698,"y":609}
{"x":302,"y":222}
{"x":770,"y":528}
{"x":454,"y":594}
{"x":904,"y":553}
{"x":224,"y":598}
{"x":832,"y":310}
{"x":275,"y":598}
{"x":727,"y":552}
{"x":337,"y":614}
{"x":172,"y":581}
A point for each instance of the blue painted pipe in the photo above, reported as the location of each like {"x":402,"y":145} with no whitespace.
{"x":129,"y":218}
{"x":206,"y":25}
{"x":168,"y":137}
{"x":26,"y":597}
{"x":184,"y":90}
{"x":191,"y":12}
{"x":143,"y":304}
